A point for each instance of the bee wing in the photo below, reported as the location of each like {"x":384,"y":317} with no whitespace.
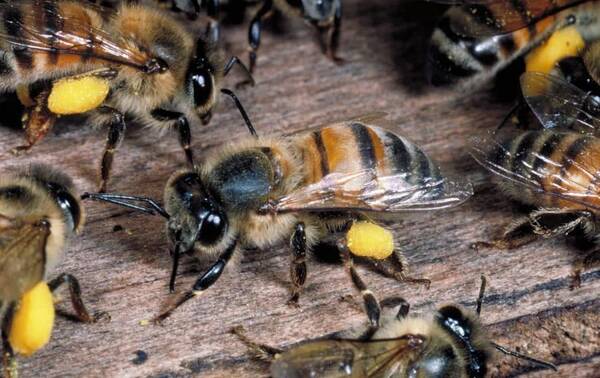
{"x":365,"y":191}
{"x":495,"y":17}
{"x":22,"y":256}
{"x":559,"y":104}
{"x":69,"y":34}
{"x":539,"y":173}
{"x":347,"y":358}
{"x":370,"y":117}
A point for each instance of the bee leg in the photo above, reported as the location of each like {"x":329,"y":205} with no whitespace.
{"x":590,"y":260}
{"x":9,"y":361}
{"x":116,"y":133}
{"x":255,"y":30}
{"x":516,"y":234}
{"x":396,"y":267}
{"x":262,"y":351}
{"x":372,"y":306}
{"x":401,"y":303}
{"x":332,"y":30}
{"x":37,"y":121}
{"x":81,"y":312}
{"x":183,"y":129}
{"x":298,"y":267}
{"x":213,"y":29}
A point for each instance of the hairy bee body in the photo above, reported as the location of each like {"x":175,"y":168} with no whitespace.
{"x":249,"y":174}
{"x":25,"y":198}
{"x":455,"y":57}
{"x":570,"y":163}
{"x":148,"y":31}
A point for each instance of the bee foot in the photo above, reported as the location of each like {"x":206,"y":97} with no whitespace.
{"x":20,"y":150}
{"x":293,"y":301}
{"x":101,"y":316}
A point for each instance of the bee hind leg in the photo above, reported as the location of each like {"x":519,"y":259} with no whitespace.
{"x":396,"y":267}
{"x":37,"y":119}
{"x":262,"y":351}
{"x":544,"y":223}
{"x":81,"y":313}
{"x":372,"y":306}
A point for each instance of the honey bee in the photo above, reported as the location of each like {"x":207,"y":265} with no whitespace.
{"x":555,"y":169}
{"x":481,"y":38}
{"x":452,"y":343}
{"x":158,"y":72}
{"x":324,"y":15}
{"x":39,"y":212}
{"x":309,"y":187}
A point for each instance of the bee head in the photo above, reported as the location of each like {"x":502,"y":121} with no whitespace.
{"x":464,"y":329}
{"x":198,"y":217}
{"x":200,"y":78}
{"x":61,"y":189}
{"x":317,"y":10}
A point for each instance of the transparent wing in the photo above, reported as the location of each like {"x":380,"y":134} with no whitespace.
{"x":376,"y":116}
{"x":559,"y":104}
{"x":556,"y":174}
{"x":347,"y":358}
{"x":365,"y":191}
{"x":495,"y":17}
{"x":22,"y":256}
{"x":70,"y":34}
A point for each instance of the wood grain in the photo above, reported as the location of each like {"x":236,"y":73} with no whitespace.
{"x":529,"y":305}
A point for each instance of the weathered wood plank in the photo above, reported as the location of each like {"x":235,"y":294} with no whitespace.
{"x":529,"y":302}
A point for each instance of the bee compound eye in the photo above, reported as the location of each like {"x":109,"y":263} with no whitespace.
{"x":212,"y":228}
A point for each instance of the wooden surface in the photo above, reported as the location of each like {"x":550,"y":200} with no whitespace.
{"x":528,"y":306}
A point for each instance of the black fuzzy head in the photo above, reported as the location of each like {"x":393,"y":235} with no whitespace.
{"x":61,"y":189}
{"x":463,"y":329}
{"x":205,"y":220}
{"x":200,"y":76}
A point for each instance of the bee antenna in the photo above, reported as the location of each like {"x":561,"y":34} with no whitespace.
{"x":516,"y":354}
{"x":480,"y":296}
{"x":241,"y":109}
{"x":153,"y":207}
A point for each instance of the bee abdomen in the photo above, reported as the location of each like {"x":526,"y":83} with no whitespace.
{"x":354,"y":147}
{"x":552,"y":163}
{"x":35,"y":26}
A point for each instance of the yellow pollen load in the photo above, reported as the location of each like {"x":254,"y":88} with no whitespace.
{"x":563,"y":43}
{"x":32,"y":323}
{"x":77,"y":95}
{"x":367,"y":239}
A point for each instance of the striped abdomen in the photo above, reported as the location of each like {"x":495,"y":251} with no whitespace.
{"x":563,"y":163}
{"x":453,"y":56}
{"x":33,"y":26}
{"x":353,"y":147}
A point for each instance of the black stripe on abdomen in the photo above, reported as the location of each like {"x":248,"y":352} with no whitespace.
{"x":322,"y":152}
{"x":53,"y":24}
{"x":365,"y":146}
{"x":521,"y":152}
{"x":400,"y":157}
{"x":13,"y":23}
{"x":546,"y":150}
{"x":571,"y":154}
